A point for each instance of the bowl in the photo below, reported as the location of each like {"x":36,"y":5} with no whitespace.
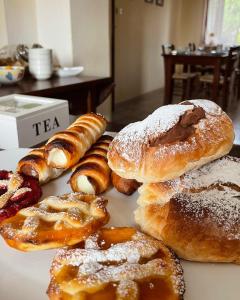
{"x":67,"y":72}
{"x":11,"y":74}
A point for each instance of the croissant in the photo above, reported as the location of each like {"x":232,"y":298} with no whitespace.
{"x":34,"y":164}
{"x":92,"y":173}
{"x":123,"y":185}
{"x":66,"y":148}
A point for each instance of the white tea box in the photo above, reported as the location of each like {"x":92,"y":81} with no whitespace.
{"x":26,"y":121}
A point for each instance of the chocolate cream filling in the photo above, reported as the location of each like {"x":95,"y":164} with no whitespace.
{"x":183,"y":129}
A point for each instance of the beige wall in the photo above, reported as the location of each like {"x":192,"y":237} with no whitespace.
{"x":20,"y":20}
{"x":140,"y":32}
{"x":90,"y":21}
{"x":91,"y":35}
{"x":3,"y":28}
{"x":189,"y":22}
{"x":54,"y":28}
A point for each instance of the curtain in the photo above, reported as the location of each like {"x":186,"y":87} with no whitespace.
{"x":223,"y":22}
{"x":214,"y":22}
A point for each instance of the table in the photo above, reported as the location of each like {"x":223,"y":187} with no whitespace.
{"x":171,"y":60}
{"x":84,"y":93}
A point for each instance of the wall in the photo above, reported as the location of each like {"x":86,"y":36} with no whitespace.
{"x":140,"y":32}
{"x":190,"y":21}
{"x":20,"y":21}
{"x":90,"y":21}
{"x":3,"y":27}
{"x":54,"y":28}
{"x":91,"y":35}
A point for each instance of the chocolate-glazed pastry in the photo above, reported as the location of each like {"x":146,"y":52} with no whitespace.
{"x":171,"y":141}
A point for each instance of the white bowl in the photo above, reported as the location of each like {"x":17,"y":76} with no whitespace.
{"x":11,"y":74}
{"x":67,"y":72}
{"x":41,"y":76}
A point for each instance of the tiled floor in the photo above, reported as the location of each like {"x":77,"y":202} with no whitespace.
{"x":140,"y":107}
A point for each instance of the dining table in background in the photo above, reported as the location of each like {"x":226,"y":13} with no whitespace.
{"x":171,"y":60}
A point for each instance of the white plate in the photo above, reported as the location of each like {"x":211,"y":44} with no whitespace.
{"x":67,"y":72}
{"x":25,"y":276}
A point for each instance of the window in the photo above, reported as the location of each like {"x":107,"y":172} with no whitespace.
{"x":223,"y":22}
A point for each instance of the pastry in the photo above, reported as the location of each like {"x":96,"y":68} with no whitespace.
{"x":55,"y":222}
{"x":197,"y":215}
{"x":124,"y":186}
{"x":34,"y":164}
{"x":92,"y":174}
{"x":66,"y":148}
{"x":117,"y":263}
{"x":17,"y":191}
{"x":171,"y":141}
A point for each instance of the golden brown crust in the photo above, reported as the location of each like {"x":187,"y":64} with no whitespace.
{"x":124,"y":186}
{"x":65,"y":148}
{"x":92,"y":173}
{"x":55,"y":222}
{"x":192,"y":238}
{"x":197,"y":215}
{"x":34,"y":164}
{"x":117,"y":263}
{"x":131,"y":155}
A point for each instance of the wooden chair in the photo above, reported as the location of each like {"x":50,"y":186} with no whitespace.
{"x":185,"y":76}
{"x":228,"y":78}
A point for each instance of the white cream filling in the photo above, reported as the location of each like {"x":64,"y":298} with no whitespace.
{"x":84,"y":185}
{"x":57,"y":157}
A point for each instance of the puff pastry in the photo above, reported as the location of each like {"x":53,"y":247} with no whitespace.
{"x":92,"y":174}
{"x":34,"y":164}
{"x":171,"y":141}
{"x":197,"y":215}
{"x":66,"y":148}
{"x":117,"y":263}
{"x":55,"y":222}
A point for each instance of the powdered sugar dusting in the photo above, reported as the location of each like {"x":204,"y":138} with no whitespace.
{"x":121,"y":264}
{"x":221,"y":171}
{"x":134,"y":138}
{"x":209,"y":106}
{"x":222,"y":206}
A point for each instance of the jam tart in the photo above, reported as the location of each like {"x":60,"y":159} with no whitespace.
{"x":16,"y":192}
{"x":116,"y":263}
{"x":55,"y":222}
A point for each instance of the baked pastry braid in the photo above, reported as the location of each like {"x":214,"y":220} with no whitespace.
{"x":92,"y":173}
{"x":65,"y":148}
{"x":116,"y":264}
{"x":34,"y":164}
{"x":54,"y":222}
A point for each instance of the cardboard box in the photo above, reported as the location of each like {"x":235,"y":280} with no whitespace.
{"x":26,"y":121}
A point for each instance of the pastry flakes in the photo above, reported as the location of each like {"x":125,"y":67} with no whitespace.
{"x":116,"y":263}
{"x":55,"y":222}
